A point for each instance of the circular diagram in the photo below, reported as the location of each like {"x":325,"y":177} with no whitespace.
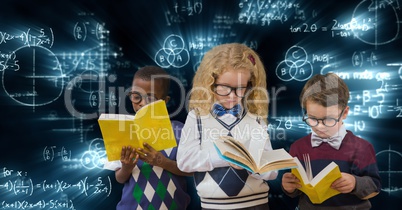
{"x":295,"y":66}
{"x":375,"y":22}
{"x":390,"y":170}
{"x":35,"y":77}
{"x":173,"y":53}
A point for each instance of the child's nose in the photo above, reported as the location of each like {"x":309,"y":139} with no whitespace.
{"x":321,"y":124}
{"x":233,"y":94}
{"x":143,"y":102}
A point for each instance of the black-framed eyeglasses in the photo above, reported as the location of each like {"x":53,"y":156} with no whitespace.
{"x":328,"y":121}
{"x":224,"y":90}
{"x":137,"y":97}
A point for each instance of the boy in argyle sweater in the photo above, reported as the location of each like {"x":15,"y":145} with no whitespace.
{"x":151,"y":178}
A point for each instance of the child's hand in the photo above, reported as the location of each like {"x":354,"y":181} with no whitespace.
{"x":290,"y":182}
{"x":150,"y":155}
{"x":128,"y":158}
{"x":345,"y":184}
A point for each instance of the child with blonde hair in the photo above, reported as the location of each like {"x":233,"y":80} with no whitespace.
{"x":228,"y":98}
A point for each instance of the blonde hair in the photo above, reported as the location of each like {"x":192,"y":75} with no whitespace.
{"x":221,"y":58}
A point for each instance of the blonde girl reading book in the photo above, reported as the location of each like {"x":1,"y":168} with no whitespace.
{"x":228,"y":98}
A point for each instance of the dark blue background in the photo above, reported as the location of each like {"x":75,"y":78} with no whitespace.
{"x":58,"y":54}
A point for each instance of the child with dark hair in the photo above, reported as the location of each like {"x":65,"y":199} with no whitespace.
{"x":151,"y":178}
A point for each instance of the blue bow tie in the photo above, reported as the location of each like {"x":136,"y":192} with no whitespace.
{"x":335,"y":141}
{"x":219,"y":110}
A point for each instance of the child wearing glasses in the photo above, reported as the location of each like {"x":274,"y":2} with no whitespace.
{"x":324,"y":99}
{"x":151,"y":178}
{"x":228,"y":98}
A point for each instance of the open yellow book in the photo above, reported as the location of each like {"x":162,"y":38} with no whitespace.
{"x":151,"y":124}
{"x":255,"y":160}
{"x":317,"y":188}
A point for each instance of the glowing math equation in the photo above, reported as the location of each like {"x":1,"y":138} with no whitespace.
{"x":22,"y":184}
{"x":29,"y":37}
{"x":42,"y":204}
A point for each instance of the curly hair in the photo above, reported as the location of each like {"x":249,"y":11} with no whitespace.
{"x":220,"y":59}
{"x":149,"y":73}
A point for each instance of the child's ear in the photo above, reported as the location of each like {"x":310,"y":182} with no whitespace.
{"x":345,"y":112}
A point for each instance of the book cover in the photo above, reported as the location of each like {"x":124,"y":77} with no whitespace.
{"x":151,"y":124}
{"x":317,"y":188}
{"x":260,"y":162}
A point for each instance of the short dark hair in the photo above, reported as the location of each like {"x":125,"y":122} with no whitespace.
{"x":326,"y":90}
{"x":149,"y":73}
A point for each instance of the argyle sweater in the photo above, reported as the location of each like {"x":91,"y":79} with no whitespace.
{"x":152,"y":187}
{"x":356,"y":156}
{"x":219,"y":185}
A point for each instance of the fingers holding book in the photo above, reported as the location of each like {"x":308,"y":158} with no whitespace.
{"x":128,"y":157}
{"x":150,"y":155}
{"x":345,"y":184}
{"x":290,"y":182}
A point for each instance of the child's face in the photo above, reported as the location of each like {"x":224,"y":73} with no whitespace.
{"x":151,"y":89}
{"x":234,"y":79}
{"x":318,"y":111}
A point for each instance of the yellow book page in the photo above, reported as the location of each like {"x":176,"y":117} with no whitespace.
{"x":117,"y":132}
{"x":322,"y":190}
{"x":152,"y":125}
{"x":307,"y":189}
{"x":323,"y":186}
